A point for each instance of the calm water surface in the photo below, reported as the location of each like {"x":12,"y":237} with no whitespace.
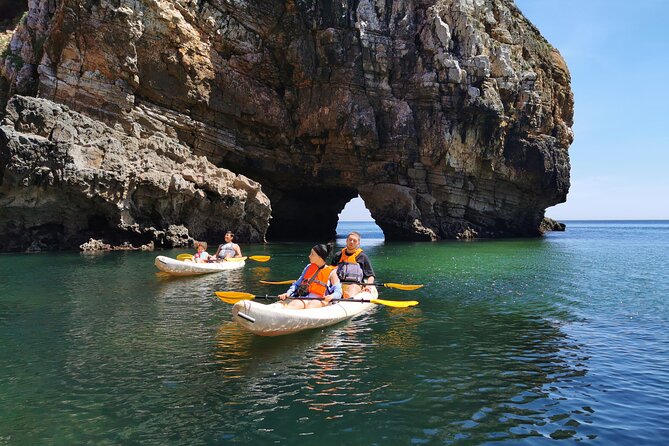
{"x":514,"y":341}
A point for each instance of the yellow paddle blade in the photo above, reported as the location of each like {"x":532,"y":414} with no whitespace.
{"x":256,"y":258}
{"x":283,"y":282}
{"x":260,"y":258}
{"x":230,"y":301}
{"x":234,"y":295}
{"x":395,"y":303}
{"x":400,"y":286}
{"x":185,"y":257}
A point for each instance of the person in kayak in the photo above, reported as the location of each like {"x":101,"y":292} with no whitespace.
{"x":227,"y":249}
{"x":318,"y":280}
{"x":353,"y":265}
{"x":201,"y":256}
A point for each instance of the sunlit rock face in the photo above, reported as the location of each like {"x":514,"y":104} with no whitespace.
{"x":66,"y":178}
{"x":443,"y":115}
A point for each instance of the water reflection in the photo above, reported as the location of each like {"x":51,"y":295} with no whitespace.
{"x":402,"y":331}
{"x":242,"y":354}
{"x":202,"y":285}
{"x":464,"y":379}
{"x":316,"y":370}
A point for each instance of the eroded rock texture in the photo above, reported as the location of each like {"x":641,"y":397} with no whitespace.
{"x":66,"y":178}
{"x":444,"y":115}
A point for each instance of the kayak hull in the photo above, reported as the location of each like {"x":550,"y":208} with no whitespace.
{"x":276,"y":320}
{"x":181,"y":268}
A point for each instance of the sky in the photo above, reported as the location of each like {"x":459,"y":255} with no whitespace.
{"x":618,"y":54}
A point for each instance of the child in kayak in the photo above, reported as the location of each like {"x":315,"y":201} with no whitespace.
{"x":318,"y":280}
{"x":201,"y":256}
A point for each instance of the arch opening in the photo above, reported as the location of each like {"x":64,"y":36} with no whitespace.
{"x":356,"y":217}
{"x":306,"y":213}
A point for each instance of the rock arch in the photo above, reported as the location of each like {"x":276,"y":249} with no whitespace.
{"x":445,"y":116}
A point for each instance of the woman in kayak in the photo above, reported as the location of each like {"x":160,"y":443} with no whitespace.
{"x":318,"y":281}
{"x":228,"y":249}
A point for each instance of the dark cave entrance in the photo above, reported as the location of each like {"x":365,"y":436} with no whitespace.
{"x":312,"y":214}
{"x":10,"y":12}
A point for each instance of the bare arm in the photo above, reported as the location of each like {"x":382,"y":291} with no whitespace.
{"x":293,"y":286}
{"x":336,"y":284}
{"x":367,"y":270}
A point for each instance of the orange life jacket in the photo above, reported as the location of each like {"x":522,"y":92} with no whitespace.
{"x":345,"y":258}
{"x":348,"y":267}
{"x":315,"y":279}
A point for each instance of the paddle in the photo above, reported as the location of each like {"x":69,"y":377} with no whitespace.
{"x":255,"y":258}
{"x":229,"y":259}
{"x":232,"y":297}
{"x":241,"y":259}
{"x":397,"y":286}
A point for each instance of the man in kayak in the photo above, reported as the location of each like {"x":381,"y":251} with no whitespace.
{"x":228,"y":249}
{"x":353,"y":266}
{"x":318,"y":281}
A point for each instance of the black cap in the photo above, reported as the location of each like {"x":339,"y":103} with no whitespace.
{"x":322,"y":251}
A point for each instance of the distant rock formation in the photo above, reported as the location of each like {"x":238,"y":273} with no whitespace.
{"x":446,"y":116}
{"x":96,"y":246}
{"x":548,"y":224}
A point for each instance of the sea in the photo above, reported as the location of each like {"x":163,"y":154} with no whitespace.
{"x":555,"y":340}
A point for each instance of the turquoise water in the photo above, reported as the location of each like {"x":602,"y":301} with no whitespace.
{"x":514,"y":342}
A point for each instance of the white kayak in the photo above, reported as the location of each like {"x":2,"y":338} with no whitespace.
{"x":181,"y":268}
{"x":275,"y":319}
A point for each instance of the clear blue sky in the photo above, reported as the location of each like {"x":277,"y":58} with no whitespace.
{"x":618,"y":55}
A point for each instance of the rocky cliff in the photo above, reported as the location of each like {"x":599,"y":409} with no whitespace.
{"x":444,"y":115}
{"x":66,"y":178}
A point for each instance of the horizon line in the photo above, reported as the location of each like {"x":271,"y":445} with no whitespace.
{"x":556,"y":219}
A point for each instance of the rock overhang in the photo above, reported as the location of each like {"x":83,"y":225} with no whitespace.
{"x":460,"y":112}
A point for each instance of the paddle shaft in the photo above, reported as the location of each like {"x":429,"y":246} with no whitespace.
{"x":241,"y":259}
{"x":270,"y":297}
{"x":397,"y":286}
{"x":336,"y":299}
{"x":363,"y":283}
{"x":233,"y":297}
{"x":288,"y":282}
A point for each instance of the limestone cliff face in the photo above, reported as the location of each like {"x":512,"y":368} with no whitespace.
{"x":444,"y":115}
{"x":65,"y":178}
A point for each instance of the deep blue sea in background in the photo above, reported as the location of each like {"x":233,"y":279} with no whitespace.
{"x":518,"y":341}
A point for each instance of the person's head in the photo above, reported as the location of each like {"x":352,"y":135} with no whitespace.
{"x":229,"y":236}
{"x":200,"y":246}
{"x":320,"y":253}
{"x":353,"y":241}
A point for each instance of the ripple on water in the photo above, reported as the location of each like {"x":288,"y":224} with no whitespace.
{"x":518,"y":341}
